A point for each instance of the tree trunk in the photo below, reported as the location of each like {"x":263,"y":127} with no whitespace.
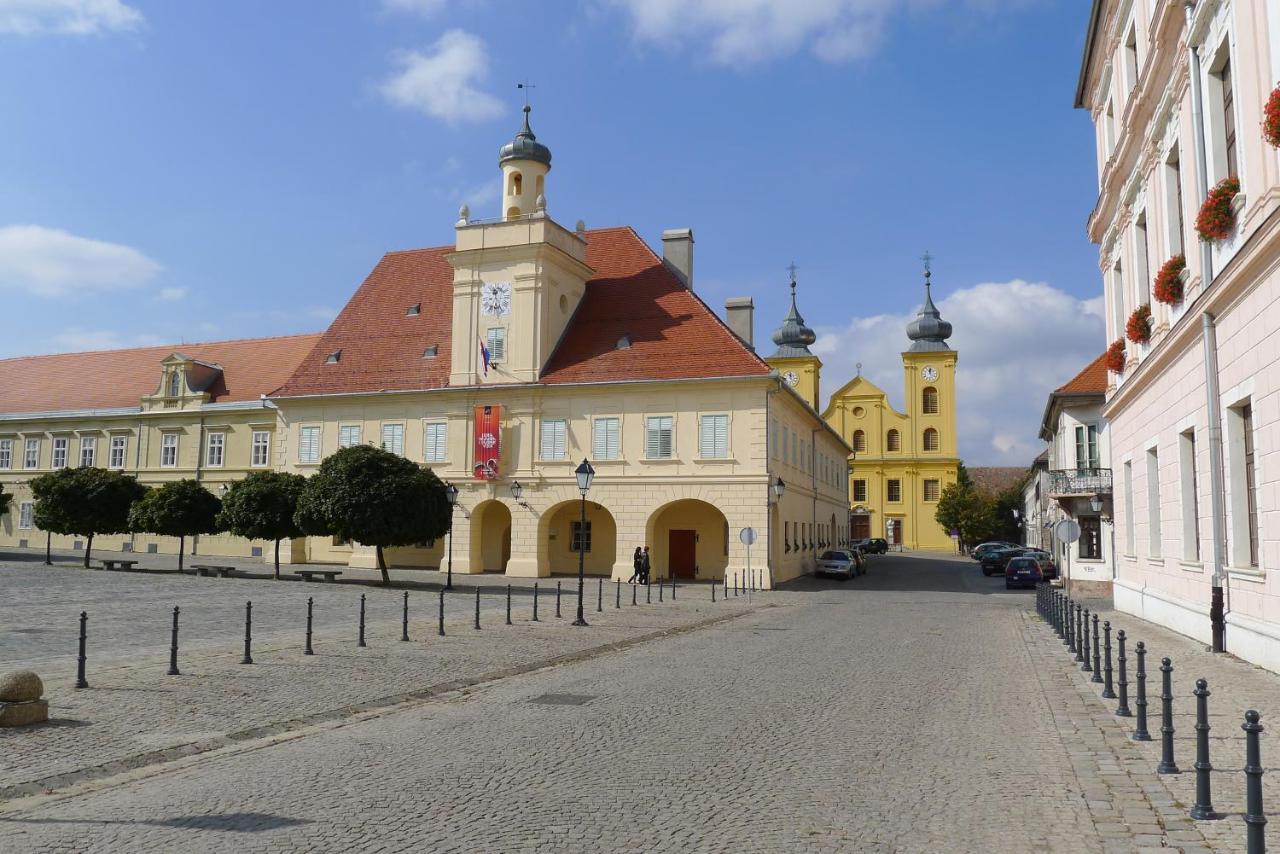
{"x":48,"y":548}
{"x":277,"y":560}
{"x":182,"y":544}
{"x":88,"y":548}
{"x":382,"y":565}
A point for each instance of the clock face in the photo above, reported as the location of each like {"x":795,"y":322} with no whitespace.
{"x":791,"y":378}
{"x":930,"y":374}
{"x":495,"y":298}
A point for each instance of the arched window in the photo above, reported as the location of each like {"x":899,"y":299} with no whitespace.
{"x":517,"y":184}
{"x":930,"y":401}
{"x":513,"y":212}
{"x":539,"y":185}
{"x":931,"y":439}
{"x":175,"y":383}
{"x":893,"y":442}
{"x":859,"y":441}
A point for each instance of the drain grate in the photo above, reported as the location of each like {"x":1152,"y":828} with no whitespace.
{"x":563,"y":699}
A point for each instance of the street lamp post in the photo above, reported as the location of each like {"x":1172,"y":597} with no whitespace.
{"x":451,"y":492}
{"x":585,"y":474}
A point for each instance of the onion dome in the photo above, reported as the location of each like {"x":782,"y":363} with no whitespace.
{"x":928,"y":331}
{"x":793,"y":337}
{"x":525,"y":146}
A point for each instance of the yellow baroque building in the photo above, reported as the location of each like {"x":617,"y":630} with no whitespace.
{"x":500,"y":361}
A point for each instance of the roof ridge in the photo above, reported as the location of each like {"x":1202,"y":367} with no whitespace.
{"x":175,"y":347}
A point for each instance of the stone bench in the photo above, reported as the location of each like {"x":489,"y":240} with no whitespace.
{"x":211,"y":569}
{"x":114,"y":563}
{"x":310,"y":574}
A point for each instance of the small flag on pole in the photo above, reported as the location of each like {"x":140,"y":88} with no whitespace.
{"x":484,"y":356}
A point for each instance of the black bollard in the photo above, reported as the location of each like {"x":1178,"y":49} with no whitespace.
{"x":1167,"y":765}
{"x":404,"y":619}
{"x":713,"y":590}
{"x":648,"y":594}
{"x":1070,"y":640}
{"x":1077,"y":645}
{"x":308,"y":650}
{"x":1097,"y":662}
{"x":599,"y":595}
{"x":173,"y":645}
{"x":557,"y":598}
{"x":80,"y":659}
{"x":673,"y":588}
{"x":361,"y":642}
{"x":617,"y":594}
{"x":1202,"y":810}
{"x":1254,"y":819}
{"x":1122,"y":708}
{"x":508,"y":604}
{"x":633,"y":594}
{"x":248,"y":633}
{"x":477,"y":609}
{"x":441,"y":631}
{"x":535,"y":601}
{"x":1140,"y":731}
{"x":736,"y":579}
{"x":662,"y":583}
{"x":1087,"y":666}
{"x":1107,"y":692}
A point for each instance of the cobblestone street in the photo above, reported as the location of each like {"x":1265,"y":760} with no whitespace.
{"x":921,"y":708}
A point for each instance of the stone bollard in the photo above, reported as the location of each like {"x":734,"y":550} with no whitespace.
{"x":1255,"y":819}
{"x":1122,"y":708}
{"x":1140,"y":732}
{"x":440,"y":632}
{"x":173,"y":645}
{"x":80,"y":659}
{"x":477,"y":609}
{"x":1097,"y":663}
{"x":307,"y":650}
{"x":360,"y":641}
{"x":1167,"y":765}
{"x":248,"y":634}
{"x":508,"y":604}
{"x":1202,"y":810}
{"x":1087,"y":666}
{"x":404,"y":618}
{"x":20,"y":699}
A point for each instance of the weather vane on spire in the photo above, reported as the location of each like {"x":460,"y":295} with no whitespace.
{"x":526,"y":86}
{"x":791,"y":268}
{"x":928,"y":263}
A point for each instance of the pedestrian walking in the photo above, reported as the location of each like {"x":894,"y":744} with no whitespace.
{"x":637,"y":566}
{"x":645,"y":566}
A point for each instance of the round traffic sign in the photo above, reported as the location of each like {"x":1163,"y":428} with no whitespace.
{"x":747,"y":536}
{"x":1068,"y":530}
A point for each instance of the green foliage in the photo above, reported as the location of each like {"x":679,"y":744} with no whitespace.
{"x":262,"y":507}
{"x":85,"y":502}
{"x":180,"y":509}
{"x":964,"y":509}
{"x":374,"y":497}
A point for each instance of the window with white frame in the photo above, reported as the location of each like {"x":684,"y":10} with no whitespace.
{"x":119,"y":451}
{"x":59,"y":460}
{"x":6,"y":453}
{"x":88,"y":450}
{"x":169,"y":450}
{"x":1087,"y":447}
{"x":713,"y":443}
{"x":393,"y":438}
{"x":348,"y":435}
{"x":216,"y":447}
{"x":1130,"y":532}
{"x":1223,"y":154}
{"x":1190,"y":495}
{"x":1131,"y":57}
{"x":1173,"y":198}
{"x":260,"y":449}
{"x":31,"y":455}
{"x":554,"y":439}
{"x":495,"y":340}
{"x":26,"y":515}
{"x":604,"y":439}
{"x":435,"y":442}
{"x":308,"y":444}
{"x":1118,"y":300}
{"x":1242,"y":484}
{"x":1153,"y":502}
{"x":659,"y":438}
{"x":1141,"y":262}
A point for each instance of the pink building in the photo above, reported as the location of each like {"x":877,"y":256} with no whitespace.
{"x":1178,"y":92}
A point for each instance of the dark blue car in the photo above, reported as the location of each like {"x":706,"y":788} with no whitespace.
{"x":1022,"y":572}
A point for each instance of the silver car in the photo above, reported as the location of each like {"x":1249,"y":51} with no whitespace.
{"x":839,"y":563}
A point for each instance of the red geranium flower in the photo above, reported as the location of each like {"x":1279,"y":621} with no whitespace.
{"x":1168,"y":284}
{"x":1138,"y":329}
{"x":1115,"y":356}
{"x":1271,"y":118}
{"x":1216,"y":219}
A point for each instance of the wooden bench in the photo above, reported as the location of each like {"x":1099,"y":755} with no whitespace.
{"x":211,"y":569}
{"x":310,"y":574}
{"x":111,"y":564}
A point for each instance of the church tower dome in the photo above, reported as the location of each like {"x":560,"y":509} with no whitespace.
{"x":525,"y":163}
{"x":793,"y":337}
{"x":796,"y":365}
{"x":928,"y":332}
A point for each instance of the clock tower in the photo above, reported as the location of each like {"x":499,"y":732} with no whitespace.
{"x":798,"y":367}
{"x":929,"y":365}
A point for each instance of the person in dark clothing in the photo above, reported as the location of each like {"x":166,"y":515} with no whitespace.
{"x":645,"y":566}
{"x":637,"y":564}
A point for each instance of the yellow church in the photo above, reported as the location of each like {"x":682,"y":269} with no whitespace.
{"x":901,"y":461}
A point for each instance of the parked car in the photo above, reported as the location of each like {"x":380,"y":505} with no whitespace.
{"x":863,"y":544}
{"x":877,"y":546}
{"x":1022,"y":571}
{"x":839,"y":563}
{"x":1047,"y":565}
{"x":994,"y":561}
{"x":981,"y":551}
{"x":859,"y":559}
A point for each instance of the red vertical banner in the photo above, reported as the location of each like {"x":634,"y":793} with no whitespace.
{"x":488,"y":448}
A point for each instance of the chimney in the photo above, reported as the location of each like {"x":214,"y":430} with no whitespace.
{"x":677,"y":253}
{"x":739,"y":313}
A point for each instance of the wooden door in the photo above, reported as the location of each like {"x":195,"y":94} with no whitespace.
{"x":682,"y":553}
{"x":861,"y":527}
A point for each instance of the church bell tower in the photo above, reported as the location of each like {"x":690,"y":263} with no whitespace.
{"x":798,"y":367}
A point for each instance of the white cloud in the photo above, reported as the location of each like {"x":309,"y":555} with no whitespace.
{"x":1017,"y":341}
{"x":51,"y":262}
{"x":70,"y":17}
{"x":172,"y":294}
{"x":746,"y":32}
{"x":442,"y":81}
{"x":425,"y":8}
{"x":75,"y":339}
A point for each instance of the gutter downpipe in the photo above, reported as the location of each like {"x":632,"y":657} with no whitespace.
{"x":1209,"y":340}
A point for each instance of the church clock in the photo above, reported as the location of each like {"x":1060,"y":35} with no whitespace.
{"x":929,"y":374}
{"x":495,"y":298}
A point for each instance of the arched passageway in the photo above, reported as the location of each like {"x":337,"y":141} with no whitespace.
{"x":560,"y":534}
{"x":490,"y":536}
{"x":688,"y":539}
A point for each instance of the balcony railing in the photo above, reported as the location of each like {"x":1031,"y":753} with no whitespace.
{"x":1080,"y":482}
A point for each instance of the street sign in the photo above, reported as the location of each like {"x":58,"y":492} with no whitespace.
{"x":747,"y":536}
{"x":1067,"y":531}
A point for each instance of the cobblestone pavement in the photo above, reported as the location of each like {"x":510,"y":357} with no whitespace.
{"x":918,"y":709}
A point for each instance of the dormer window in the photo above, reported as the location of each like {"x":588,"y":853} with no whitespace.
{"x":333,"y":358}
{"x":624,"y":343}
{"x":414,"y":310}
{"x":175,"y":383}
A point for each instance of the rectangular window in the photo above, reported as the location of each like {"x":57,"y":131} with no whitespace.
{"x":580,"y":537}
{"x":309,"y":444}
{"x":1090,"y":537}
{"x":1117,"y":301}
{"x":714,"y":441}
{"x":1190,"y":496}
{"x":1130,"y":533}
{"x":1228,"y":118}
{"x":554,"y":439}
{"x":1141,"y":262}
{"x":1173,"y":198}
{"x":1131,"y":57}
{"x":496,"y":342}
{"x":215,"y":450}
{"x":59,"y":460}
{"x":393,"y":438}
{"x":26,"y":515}
{"x":1153,"y":503}
{"x":604,"y":439}
{"x":31,"y":459}
{"x":860,"y":491}
{"x":88,"y":450}
{"x":931,"y":490}
{"x":169,"y":450}
{"x":658,"y":440}
{"x":1244,"y":485}
{"x":6,"y":453}
{"x":119,"y":450}
{"x":1087,"y":447}
{"x":436,"y":442}
{"x":260,"y":453}
{"x":348,"y":435}
{"x":894,"y":490}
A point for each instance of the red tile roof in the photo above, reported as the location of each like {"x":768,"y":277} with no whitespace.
{"x":674,"y":335}
{"x":108,"y":379}
{"x":1092,"y":380}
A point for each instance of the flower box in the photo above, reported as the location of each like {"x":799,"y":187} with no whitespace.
{"x":1217,"y":218}
{"x":1168,"y":287}
{"x":1138,"y":329}
{"x":1114,"y":358}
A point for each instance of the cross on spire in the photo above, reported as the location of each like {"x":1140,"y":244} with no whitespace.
{"x":791,"y":268}
{"x":526,"y":86}
{"x":927,"y":258}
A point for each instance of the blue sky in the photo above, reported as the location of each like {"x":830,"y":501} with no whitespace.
{"x":202,"y":170}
